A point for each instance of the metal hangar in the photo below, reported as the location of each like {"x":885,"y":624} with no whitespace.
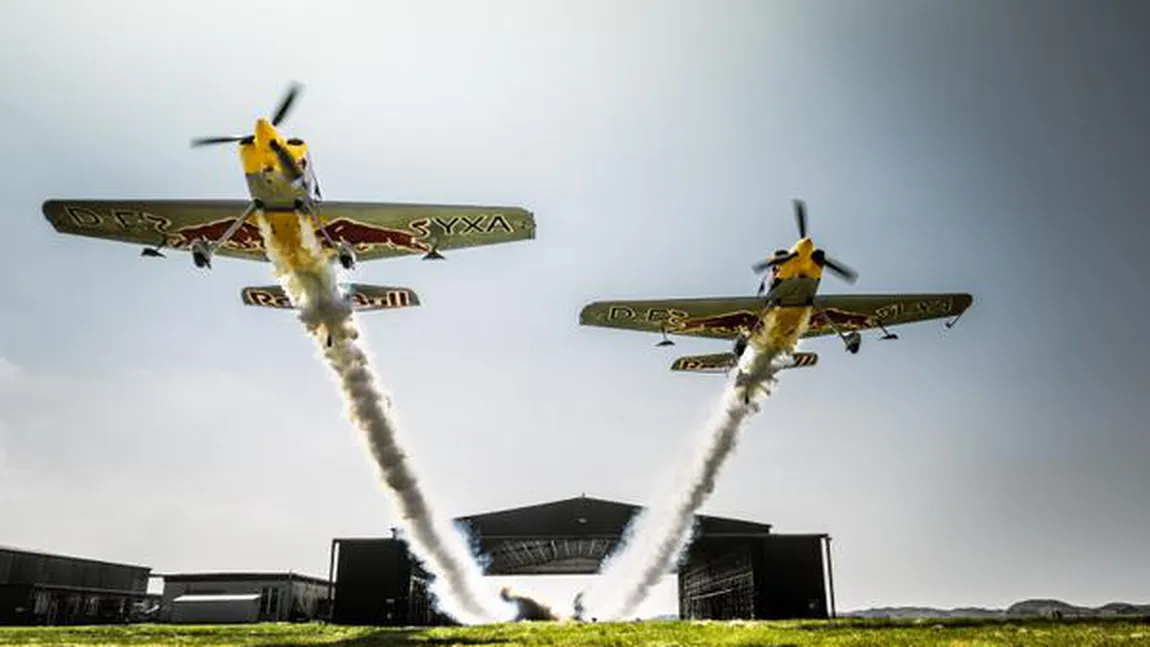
{"x":732,"y":569}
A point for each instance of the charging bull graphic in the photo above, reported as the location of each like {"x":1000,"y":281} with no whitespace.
{"x":844,"y":319}
{"x":245,"y":239}
{"x":363,"y":237}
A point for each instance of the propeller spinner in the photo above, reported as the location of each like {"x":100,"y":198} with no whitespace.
{"x":818,"y":255}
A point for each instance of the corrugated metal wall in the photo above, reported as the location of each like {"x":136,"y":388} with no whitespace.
{"x":717,"y":580}
{"x":378,"y":582}
{"x":772,"y":577}
{"x":790,"y":578}
{"x":372,"y":582}
{"x":33,"y":568}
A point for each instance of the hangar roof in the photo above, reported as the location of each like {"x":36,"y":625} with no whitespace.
{"x":41,"y":553}
{"x":586,"y":517}
{"x":571,"y":536}
{"x":239,"y":577}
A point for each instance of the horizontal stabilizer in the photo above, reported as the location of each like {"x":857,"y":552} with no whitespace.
{"x":723,"y":362}
{"x":363,"y":297}
{"x":716,"y":363}
{"x":800,"y":359}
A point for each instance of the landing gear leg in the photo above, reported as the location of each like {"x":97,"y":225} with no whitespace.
{"x":434,"y":254}
{"x":321,"y":229}
{"x":231,"y":231}
{"x":341,"y":251}
{"x":155,"y":252}
{"x":852,"y":340}
{"x":886,"y":334}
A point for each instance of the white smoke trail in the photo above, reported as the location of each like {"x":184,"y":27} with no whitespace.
{"x":653,"y":541}
{"x":310,"y":283}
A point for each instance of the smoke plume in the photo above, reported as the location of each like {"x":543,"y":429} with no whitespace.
{"x":310,"y":282}
{"x":653,"y":541}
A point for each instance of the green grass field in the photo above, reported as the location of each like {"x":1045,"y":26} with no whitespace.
{"x":948,"y":633}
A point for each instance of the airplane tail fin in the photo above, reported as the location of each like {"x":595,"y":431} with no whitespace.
{"x":723,"y":362}
{"x":363,"y":297}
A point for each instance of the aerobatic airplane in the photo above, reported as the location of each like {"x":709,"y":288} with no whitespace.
{"x":774,"y":322}
{"x":283,"y":188}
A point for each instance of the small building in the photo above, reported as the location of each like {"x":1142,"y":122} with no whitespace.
{"x":38,"y":588}
{"x":379,"y":582}
{"x":216,"y":609}
{"x":282,"y":597}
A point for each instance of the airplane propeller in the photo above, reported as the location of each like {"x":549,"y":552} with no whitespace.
{"x":781,"y":256}
{"x":801,"y":217}
{"x":819,"y":256}
{"x":286,"y":103}
{"x":280,"y":114}
{"x":836,"y":267}
{"x":206,"y":141}
{"x":286,"y":160}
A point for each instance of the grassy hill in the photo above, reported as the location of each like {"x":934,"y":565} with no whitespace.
{"x":838,"y":633}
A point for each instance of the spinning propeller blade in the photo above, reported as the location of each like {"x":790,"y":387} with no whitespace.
{"x":801,"y":217}
{"x":207,"y":141}
{"x":286,"y":103}
{"x":280,"y":114}
{"x":844,"y":272}
{"x":771,"y":262}
{"x":286,"y":160}
{"x":818,"y":256}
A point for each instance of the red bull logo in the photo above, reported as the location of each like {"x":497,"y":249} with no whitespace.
{"x":843,"y":319}
{"x":267,"y":298}
{"x":720,"y":362}
{"x":274,"y":297}
{"x":388,"y":299}
{"x":731,"y":322}
{"x":245,"y":239}
{"x":363,"y":237}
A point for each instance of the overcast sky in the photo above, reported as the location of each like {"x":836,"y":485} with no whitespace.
{"x":982,"y":146}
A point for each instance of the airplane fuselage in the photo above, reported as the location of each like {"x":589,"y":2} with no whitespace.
{"x":282,"y":184}
{"x":270,"y":181}
{"x":778,"y":331}
{"x":786,"y":314}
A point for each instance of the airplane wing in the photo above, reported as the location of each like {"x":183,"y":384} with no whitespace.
{"x":173,"y":224}
{"x":373,"y":229}
{"x":725,"y":317}
{"x":385,"y":230}
{"x":718,"y":318}
{"x":866,"y":311}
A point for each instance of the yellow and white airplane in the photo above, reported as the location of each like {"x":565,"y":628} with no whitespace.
{"x":773,"y":322}
{"x":283,"y":189}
